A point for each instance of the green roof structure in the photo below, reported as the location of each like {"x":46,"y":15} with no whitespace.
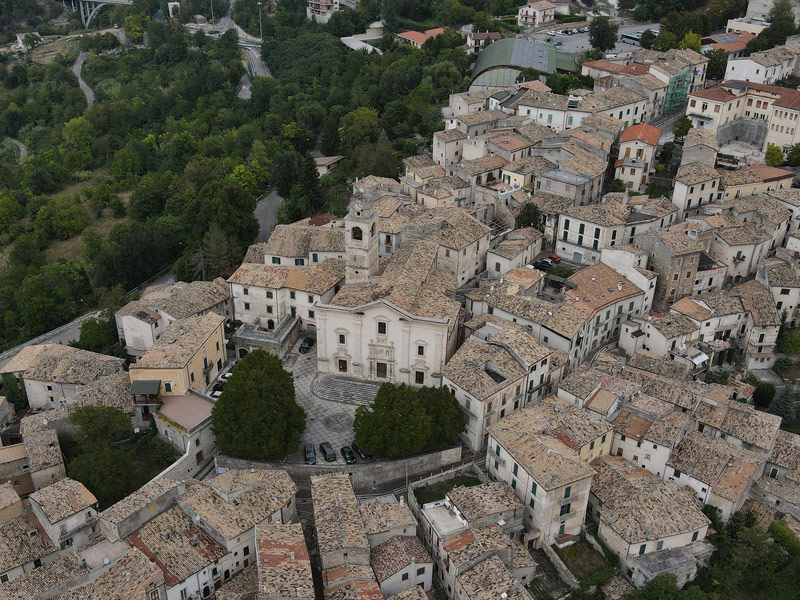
{"x":500,"y":63}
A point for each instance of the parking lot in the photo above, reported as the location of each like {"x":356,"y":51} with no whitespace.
{"x":579,"y":42}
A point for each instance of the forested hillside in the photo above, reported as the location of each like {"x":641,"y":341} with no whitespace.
{"x":169,"y":161}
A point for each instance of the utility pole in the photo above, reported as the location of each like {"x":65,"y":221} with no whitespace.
{"x":260,"y":30}
{"x":212,"y":12}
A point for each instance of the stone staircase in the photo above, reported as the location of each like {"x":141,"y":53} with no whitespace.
{"x":344,"y":389}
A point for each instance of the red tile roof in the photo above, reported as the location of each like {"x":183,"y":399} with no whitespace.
{"x":421,"y":38}
{"x":717,"y":94}
{"x":642,"y":132}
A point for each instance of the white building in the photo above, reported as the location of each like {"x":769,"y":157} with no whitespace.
{"x":637,"y":147}
{"x":67,"y":511}
{"x":535,"y":14}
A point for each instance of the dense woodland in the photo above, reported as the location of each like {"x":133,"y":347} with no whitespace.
{"x":168,"y":163}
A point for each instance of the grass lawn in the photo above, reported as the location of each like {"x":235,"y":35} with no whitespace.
{"x":46,"y":53}
{"x":581,"y":558}
{"x":437,"y":491}
{"x":655,"y":191}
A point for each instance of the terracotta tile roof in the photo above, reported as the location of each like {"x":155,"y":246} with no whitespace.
{"x":482,"y":369}
{"x":477,"y":502}
{"x":181,"y":340}
{"x":380,"y":517}
{"x":59,"y":572}
{"x":754,"y":173}
{"x":314,"y":279}
{"x":599,"y":286}
{"x":607,"y":214}
{"x":337,"y":514}
{"x":396,"y":554}
{"x":132,"y":577}
{"x":786,"y":452}
{"x":699,"y":136}
{"x":678,"y":243}
{"x":550,"y":462}
{"x":130,"y":505}
{"x":62,"y":364}
{"x":780,"y":273}
{"x":717,"y":94}
{"x":789,"y":196}
{"x":177,"y":545}
{"x":669,"y":325}
{"x":489,"y":580}
{"x":253,"y":498}
{"x":450,"y":135}
{"x":186,"y":299}
{"x":298,"y":241}
{"x":63,"y":498}
{"x":641,"y":132}
{"x":694,"y":173}
{"x":639,"y":507}
{"x":243,"y":586}
{"x":480,"y":118}
{"x":758,"y":301}
{"x":42,"y":448}
{"x":284,"y":565}
{"x":23,"y":541}
{"x":415,"y":592}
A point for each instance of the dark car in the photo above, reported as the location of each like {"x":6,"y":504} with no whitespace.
{"x":307,"y":344}
{"x":357,"y":449}
{"x":543,"y":265}
{"x":311,"y":456}
{"x":348,"y":455}
{"x":327,"y":452}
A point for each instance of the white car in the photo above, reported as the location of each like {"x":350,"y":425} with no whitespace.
{"x":551,"y":33}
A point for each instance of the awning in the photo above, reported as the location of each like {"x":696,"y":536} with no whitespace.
{"x":145,"y":387}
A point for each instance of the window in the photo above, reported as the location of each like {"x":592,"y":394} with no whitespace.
{"x":293,"y":311}
{"x":591,"y":446}
{"x":269,"y":294}
{"x":357,"y":234}
{"x":421,"y":571}
{"x":315,"y":257}
{"x":694,"y":536}
{"x":565,"y":509}
{"x":155,"y":595}
{"x":191,"y":377}
{"x":603,"y":439}
{"x":533,"y":488}
{"x":676,"y":473}
{"x":310,"y":299}
{"x":311,"y":314}
{"x":276,"y":260}
{"x":246,"y":291}
{"x":567,"y":491}
{"x":247,"y":306}
{"x":291,"y":295}
{"x":420,"y":350}
{"x":419,"y":377}
{"x":404,"y":577}
{"x":513,"y":484}
{"x":381,"y":370}
{"x":497,"y":450}
{"x":299,"y":262}
{"x":342,"y":339}
{"x":381,"y":328}
{"x":167,"y":386}
{"x":642,"y":549}
{"x":516,"y":468}
{"x":660,"y":545}
{"x":269,"y":310}
{"x":532,"y":503}
{"x":66,"y":543}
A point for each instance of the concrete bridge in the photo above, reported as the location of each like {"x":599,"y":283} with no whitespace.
{"x":89,"y":8}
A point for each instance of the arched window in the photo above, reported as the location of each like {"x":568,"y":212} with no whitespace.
{"x":372,"y":230}
{"x":357,"y":233}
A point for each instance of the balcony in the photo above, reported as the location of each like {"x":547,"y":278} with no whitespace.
{"x":145,"y":392}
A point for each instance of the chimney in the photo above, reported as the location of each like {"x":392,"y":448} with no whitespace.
{"x":291,"y":556}
{"x":163,"y":353}
{"x":402,"y":500}
{"x":619,"y":286}
{"x":630,"y":469}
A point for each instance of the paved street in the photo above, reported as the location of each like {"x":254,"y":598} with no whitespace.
{"x":265,"y":213}
{"x":87,"y":91}
{"x":579,"y":42}
{"x":326,"y":420}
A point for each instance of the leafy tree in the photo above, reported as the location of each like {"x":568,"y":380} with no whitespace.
{"x":14,"y":391}
{"x":793,"y":155}
{"x":257,"y":415}
{"x":691,"y":41}
{"x":377,"y":159}
{"x":99,"y":334}
{"x":647,"y":39}
{"x":682,"y":127}
{"x":616,"y":186}
{"x":667,"y":150}
{"x":394,"y":424}
{"x":784,"y":405}
{"x":97,"y":424}
{"x":359,"y":127}
{"x":529,"y":216}
{"x":717,"y":64}
{"x":781,"y":26}
{"x":447,"y":418}
{"x":666,"y":40}
{"x":216,"y":256}
{"x":764,"y":394}
{"x":104,"y":470}
{"x":603,"y":33}
{"x":528,"y":74}
{"x":782,"y":365}
{"x":773,"y":156}
{"x":560,"y":270}
{"x":564,"y":84}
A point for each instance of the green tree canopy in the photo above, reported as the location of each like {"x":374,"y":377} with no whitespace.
{"x":784,"y":405}
{"x":257,"y":415}
{"x":402,"y":420}
{"x":774,"y":156}
{"x":603,"y":33}
{"x":529,"y":216}
{"x":97,"y":424}
{"x":794,"y":155}
{"x":682,"y":127}
{"x":647,"y":39}
{"x":717,"y":63}
{"x":764,"y":394}
{"x":691,"y":41}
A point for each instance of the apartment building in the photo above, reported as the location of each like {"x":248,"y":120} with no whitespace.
{"x":696,"y":184}
{"x":780,"y":278}
{"x":755,"y":179}
{"x":646,"y":432}
{"x":675,"y":257}
{"x":548,"y":477}
{"x":188,"y":356}
{"x":341,"y":535}
{"x":514,"y":250}
{"x":637,"y":146}
{"x":536,"y":14}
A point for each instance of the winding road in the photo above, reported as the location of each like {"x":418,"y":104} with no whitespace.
{"x":23,"y":151}
{"x":87,"y":91}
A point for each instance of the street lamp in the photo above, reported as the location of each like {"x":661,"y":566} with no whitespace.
{"x":260,"y":30}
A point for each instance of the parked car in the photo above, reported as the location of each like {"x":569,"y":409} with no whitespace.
{"x":307,"y":344}
{"x":543,"y":265}
{"x":348,"y":455}
{"x":357,"y":449}
{"x":548,"y":39}
{"x":310,"y":455}
{"x":327,"y":452}
{"x":554,"y":258}
{"x":558,"y":43}
{"x":610,"y":55}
